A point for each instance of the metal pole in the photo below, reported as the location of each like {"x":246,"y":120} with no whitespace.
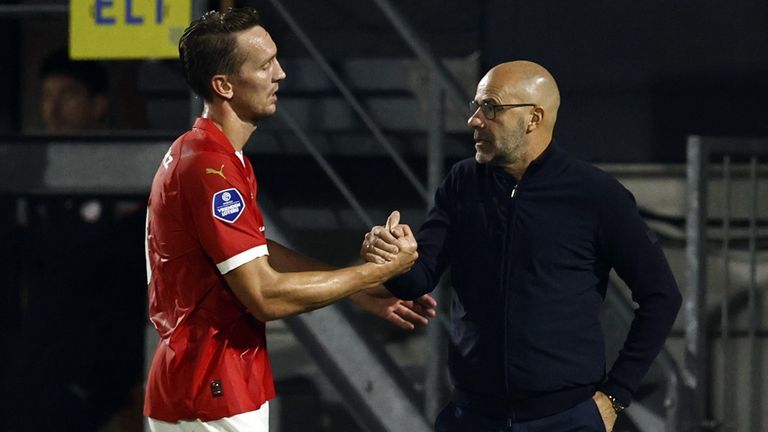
{"x":726,"y":369}
{"x":753,"y":388}
{"x":453,"y":89}
{"x":351,"y":99}
{"x":377,"y":395}
{"x":435,"y":154}
{"x":695,"y":361}
{"x":372,"y":387}
{"x":435,"y":385}
{"x":340,"y":185}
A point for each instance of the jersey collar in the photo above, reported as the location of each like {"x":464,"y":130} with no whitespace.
{"x":214,"y":133}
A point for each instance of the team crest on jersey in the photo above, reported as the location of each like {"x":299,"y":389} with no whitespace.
{"x":228,"y":205}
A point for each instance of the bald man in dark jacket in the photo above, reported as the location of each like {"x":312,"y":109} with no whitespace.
{"x":530,"y":235}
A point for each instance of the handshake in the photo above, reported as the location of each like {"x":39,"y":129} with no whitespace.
{"x":392,"y":245}
{"x":393,"y":248}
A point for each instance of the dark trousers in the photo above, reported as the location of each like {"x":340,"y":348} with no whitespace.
{"x":584,"y":417}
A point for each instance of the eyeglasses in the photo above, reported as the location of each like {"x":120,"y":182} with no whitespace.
{"x":490,"y":109}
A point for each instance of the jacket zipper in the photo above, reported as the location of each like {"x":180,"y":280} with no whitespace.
{"x":506,"y":283}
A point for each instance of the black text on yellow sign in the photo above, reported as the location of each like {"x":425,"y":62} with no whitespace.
{"x":127,"y":29}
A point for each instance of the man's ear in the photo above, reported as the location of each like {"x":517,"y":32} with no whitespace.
{"x":222,"y":87}
{"x":537,"y":117}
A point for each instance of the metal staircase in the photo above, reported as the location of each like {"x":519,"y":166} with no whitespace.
{"x":367,"y":121}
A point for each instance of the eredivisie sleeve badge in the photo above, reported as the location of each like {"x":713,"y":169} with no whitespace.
{"x":228,"y":205}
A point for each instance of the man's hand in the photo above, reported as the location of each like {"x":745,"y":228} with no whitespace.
{"x":387,"y":245}
{"x":402,"y":313}
{"x":382,"y":243}
{"x":605,"y":407}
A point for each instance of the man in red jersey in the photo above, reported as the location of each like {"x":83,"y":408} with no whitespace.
{"x":214,"y":278}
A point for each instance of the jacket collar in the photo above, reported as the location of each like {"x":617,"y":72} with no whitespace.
{"x":547,"y":162}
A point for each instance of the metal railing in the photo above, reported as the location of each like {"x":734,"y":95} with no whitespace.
{"x":740,"y":231}
{"x":350,"y":380}
{"x":350,"y":98}
{"x":442,"y":84}
{"x":444,"y":88}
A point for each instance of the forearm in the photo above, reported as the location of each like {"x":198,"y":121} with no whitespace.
{"x":412,"y":284}
{"x":284,"y":259}
{"x":294,"y":293}
{"x":432,"y":261}
{"x":655,"y":291}
{"x":271,"y":295}
{"x":635,"y":253}
{"x":648,"y":332}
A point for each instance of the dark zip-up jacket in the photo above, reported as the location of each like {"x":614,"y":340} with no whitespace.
{"x":529,"y":264}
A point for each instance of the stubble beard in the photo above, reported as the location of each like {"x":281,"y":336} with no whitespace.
{"x":511,"y":147}
{"x":262,"y":113}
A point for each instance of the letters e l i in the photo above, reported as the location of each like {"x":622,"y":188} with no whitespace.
{"x":131,"y":18}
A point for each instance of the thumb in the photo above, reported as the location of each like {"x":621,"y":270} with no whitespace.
{"x":392,"y":220}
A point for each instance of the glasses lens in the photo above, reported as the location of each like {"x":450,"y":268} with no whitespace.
{"x":489,"y":110}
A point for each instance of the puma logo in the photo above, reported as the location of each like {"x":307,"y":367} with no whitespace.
{"x":220,"y":171}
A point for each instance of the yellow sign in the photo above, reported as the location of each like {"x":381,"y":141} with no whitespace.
{"x":127,"y":29}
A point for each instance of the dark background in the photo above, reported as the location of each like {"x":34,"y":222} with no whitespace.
{"x":636,"y":78}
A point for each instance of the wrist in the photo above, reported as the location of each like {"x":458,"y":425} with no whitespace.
{"x":375,"y":274}
{"x":615,"y":404}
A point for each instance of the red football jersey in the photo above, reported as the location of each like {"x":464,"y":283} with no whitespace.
{"x":203,"y":221}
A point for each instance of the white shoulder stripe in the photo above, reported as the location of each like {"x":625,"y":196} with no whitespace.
{"x":146,"y":248}
{"x":242,"y":258}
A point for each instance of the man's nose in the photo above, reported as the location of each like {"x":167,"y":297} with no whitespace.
{"x":280,"y":72}
{"x":474,"y":120}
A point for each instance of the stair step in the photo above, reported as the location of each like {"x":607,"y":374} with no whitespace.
{"x":305,"y":75}
{"x":344,"y":29}
{"x":275,"y":139}
{"x":396,"y":93}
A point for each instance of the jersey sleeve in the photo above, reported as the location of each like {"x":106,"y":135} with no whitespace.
{"x":225,"y":214}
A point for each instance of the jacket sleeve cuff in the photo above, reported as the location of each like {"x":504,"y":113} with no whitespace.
{"x":613,"y":388}
{"x":403,"y":287}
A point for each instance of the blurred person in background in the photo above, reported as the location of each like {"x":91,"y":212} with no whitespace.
{"x":73,"y":96}
{"x":78,"y":350}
